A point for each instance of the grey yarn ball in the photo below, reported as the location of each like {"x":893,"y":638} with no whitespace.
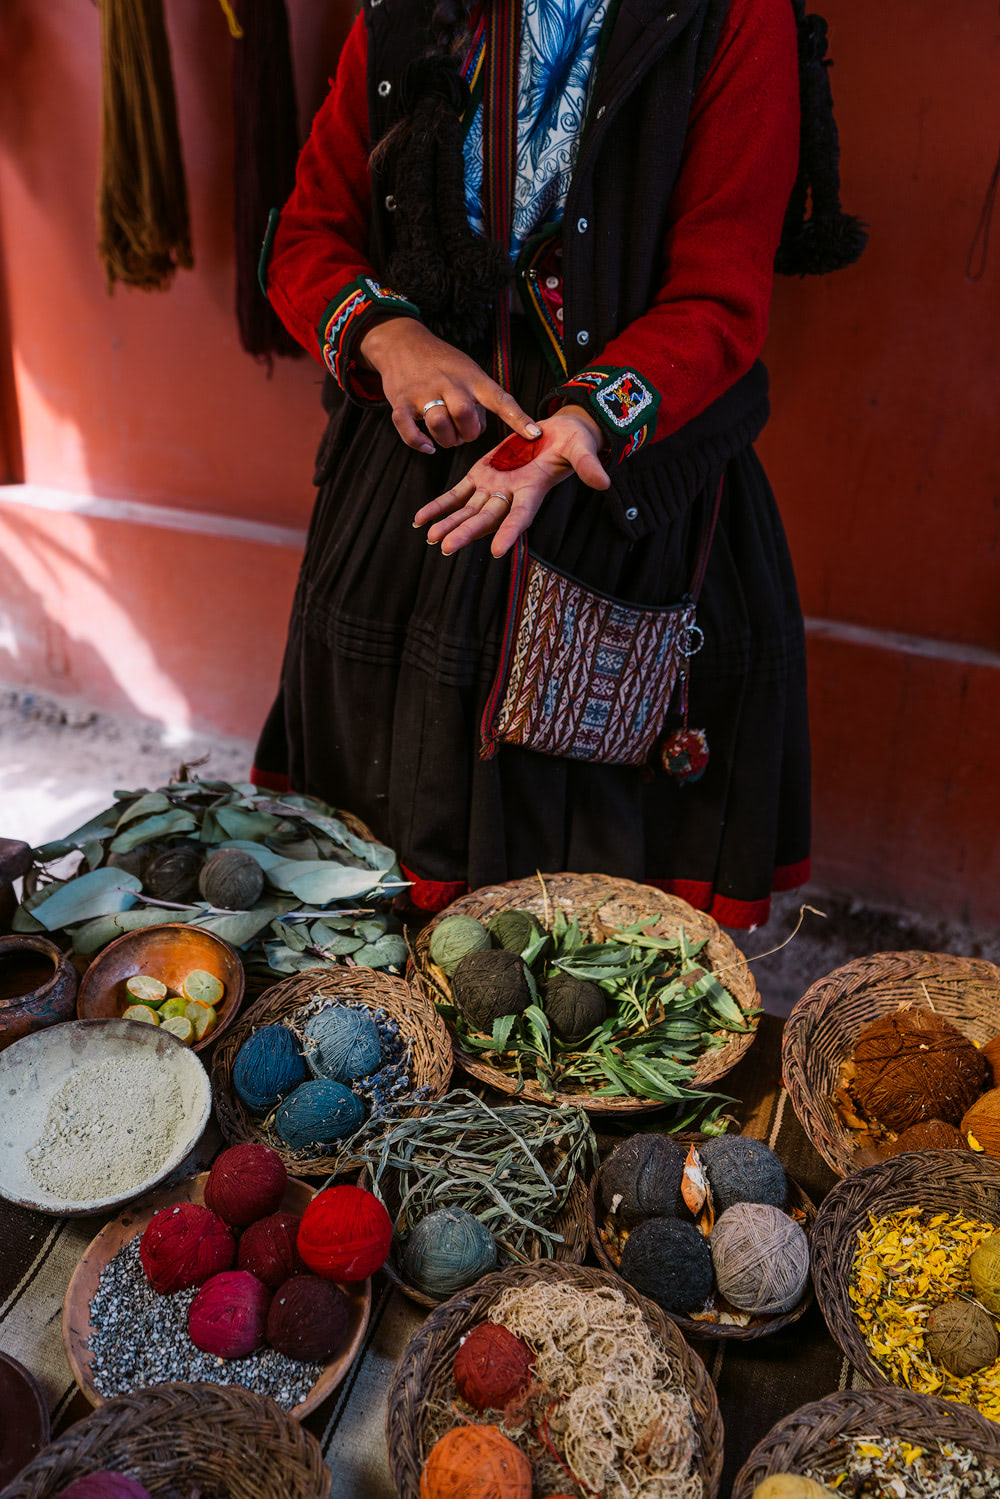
{"x":642,"y":1179}
{"x":447,"y":1250}
{"x":761,"y":1258}
{"x":740,"y":1169}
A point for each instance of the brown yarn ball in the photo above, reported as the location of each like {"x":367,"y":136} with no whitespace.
{"x":475,"y":1462}
{"x":231,"y":879}
{"x":991,"y":1051}
{"x":268,"y":1249}
{"x":760,"y":1257}
{"x":984,"y":1272}
{"x":308,"y":1318}
{"x":961,"y":1336}
{"x":932,"y":1135}
{"x":982,"y":1122}
{"x":912,"y":1065}
{"x":486,"y":985}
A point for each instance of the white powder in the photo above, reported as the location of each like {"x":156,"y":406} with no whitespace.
{"x":109,"y":1129}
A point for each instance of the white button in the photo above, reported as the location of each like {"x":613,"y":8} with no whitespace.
{"x":390,"y":201}
{"x":631,"y":513}
{"x":385,"y":87}
{"x":375,"y":2}
{"x":559,"y":314}
{"x":599,"y":112}
{"x":552,"y":282}
{"x":581,"y":224}
{"x":583,"y":337}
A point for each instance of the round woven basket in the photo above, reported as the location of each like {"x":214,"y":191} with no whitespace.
{"x":823,"y":1027}
{"x":419,"y":1022}
{"x":423,"y":1375}
{"x":181,"y":1435}
{"x":816,"y":1432}
{"x":602,"y":905}
{"x":952,"y":1181}
{"x":691,"y":1327}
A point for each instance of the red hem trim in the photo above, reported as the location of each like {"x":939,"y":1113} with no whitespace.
{"x":433,"y":895}
{"x":791,"y":876}
{"x":743,"y":914}
{"x":270,"y":780}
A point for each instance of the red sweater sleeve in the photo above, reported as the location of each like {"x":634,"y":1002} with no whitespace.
{"x":708,"y":321}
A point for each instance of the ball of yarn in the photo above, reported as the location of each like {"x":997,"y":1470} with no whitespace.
{"x":760,"y":1257}
{"x":268,"y":1065}
{"x":913,"y":1065}
{"x":318,"y":1113}
{"x":574,"y":1007}
{"x":513,"y":930}
{"x":991,"y":1051}
{"x":268,"y":1249}
{"x":447,"y":1250}
{"x":345,"y":1234}
{"x":486,"y":985}
{"x":740,"y":1169}
{"x":791,"y":1486}
{"x":492,"y":1367}
{"x":453,"y":938}
{"x":228,"y":1316}
{"x":961,"y":1336}
{"x":231,"y":878}
{"x":172,"y":874}
{"x":342,"y":1044}
{"x":307,"y":1318}
{"x":670,"y":1262}
{"x":475,"y":1462}
{"x":183,"y":1246}
{"x":984,"y":1271}
{"x":246,"y":1182}
{"x":982,"y":1122}
{"x":642,"y":1178}
{"x":932,"y":1135}
{"x":105,"y":1485}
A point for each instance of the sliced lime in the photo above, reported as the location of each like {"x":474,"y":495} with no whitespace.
{"x":141,"y":1012}
{"x":203,"y":987}
{"x":173,"y":1007}
{"x":179,"y":1026}
{"x":202,"y":1017}
{"x":145,"y":989}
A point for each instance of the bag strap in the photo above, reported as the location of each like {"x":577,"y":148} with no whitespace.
{"x":711,"y":521}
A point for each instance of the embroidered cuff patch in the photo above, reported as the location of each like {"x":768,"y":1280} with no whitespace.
{"x":624,"y":403}
{"x":346,"y":318}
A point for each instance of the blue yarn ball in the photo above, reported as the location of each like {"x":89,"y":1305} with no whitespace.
{"x":447,"y":1250}
{"x":343,"y":1044}
{"x":318,"y":1113}
{"x":268,"y":1065}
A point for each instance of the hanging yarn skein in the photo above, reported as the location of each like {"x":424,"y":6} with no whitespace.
{"x":266,"y":147}
{"x":143,"y":228}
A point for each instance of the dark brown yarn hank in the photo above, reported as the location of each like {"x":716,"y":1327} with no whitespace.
{"x":913,"y":1066}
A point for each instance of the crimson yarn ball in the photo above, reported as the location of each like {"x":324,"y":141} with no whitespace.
{"x":183,"y":1246}
{"x":492,"y":1367}
{"x":267,"y":1249}
{"x":104,"y":1485}
{"x":228,"y":1316}
{"x":307,"y":1318}
{"x":345,"y":1234}
{"x":245,"y":1183}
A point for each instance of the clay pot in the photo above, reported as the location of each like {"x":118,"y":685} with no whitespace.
{"x":37,"y":986}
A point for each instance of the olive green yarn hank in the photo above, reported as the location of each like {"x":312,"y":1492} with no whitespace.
{"x":142,"y":212}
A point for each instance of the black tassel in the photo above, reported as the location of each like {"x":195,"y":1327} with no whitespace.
{"x":818,"y":236}
{"x":265,"y":118}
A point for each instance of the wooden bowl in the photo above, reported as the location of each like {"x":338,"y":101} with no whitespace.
{"x":168,"y":953}
{"x":34,"y":1069}
{"x":24,"y":1429}
{"x":37,"y":986}
{"x":83,"y":1285}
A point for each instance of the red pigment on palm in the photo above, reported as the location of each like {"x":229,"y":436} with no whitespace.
{"x":515,"y":452}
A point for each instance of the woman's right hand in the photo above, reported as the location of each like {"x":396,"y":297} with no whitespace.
{"x":417,"y":367}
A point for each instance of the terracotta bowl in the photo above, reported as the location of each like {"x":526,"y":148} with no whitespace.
{"x":168,"y":953}
{"x":24,"y":1429}
{"x":37,"y":986}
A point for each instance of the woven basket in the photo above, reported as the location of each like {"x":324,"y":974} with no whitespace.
{"x":179,"y":1435}
{"x":953,"y":1181}
{"x":823,"y":1027}
{"x":602,"y":905}
{"x":431,"y":1063}
{"x":424,"y":1376}
{"x":816,"y":1431}
{"x":689,"y":1326}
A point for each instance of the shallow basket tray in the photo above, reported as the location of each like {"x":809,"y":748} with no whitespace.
{"x":423,"y":1373}
{"x":823,"y":1027}
{"x":815,"y":1431}
{"x":431,"y":1056}
{"x":951,"y":1181}
{"x":602,"y":905}
{"x":180,"y":1435}
{"x":689,"y":1326}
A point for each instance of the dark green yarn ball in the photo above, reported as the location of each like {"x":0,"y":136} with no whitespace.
{"x":575,"y":1007}
{"x":318,"y":1113}
{"x":642,"y":1179}
{"x":486,"y":985}
{"x":740,"y":1169}
{"x":268,"y":1065}
{"x":447,"y":1250}
{"x":513,"y":930}
{"x":670,"y":1262}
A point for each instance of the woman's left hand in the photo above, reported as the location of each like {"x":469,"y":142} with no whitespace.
{"x":506,"y":500}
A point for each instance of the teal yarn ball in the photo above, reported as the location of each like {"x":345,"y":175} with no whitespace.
{"x":268,"y":1065}
{"x":318,"y":1113}
{"x":447,"y":1250}
{"x":342,"y":1044}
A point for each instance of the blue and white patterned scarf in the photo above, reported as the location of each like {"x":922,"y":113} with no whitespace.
{"x":558,"y":42}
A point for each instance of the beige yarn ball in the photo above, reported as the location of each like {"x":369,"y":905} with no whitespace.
{"x":761,"y":1258}
{"x":961,"y":1336}
{"x":791,"y":1486}
{"x":984,"y":1271}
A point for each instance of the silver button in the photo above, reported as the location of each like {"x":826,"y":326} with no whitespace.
{"x":385,"y":88}
{"x":599,"y":112}
{"x":631,"y":513}
{"x":552,"y":282}
{"x":390,"y":201}
{"x":583,"y":337}
{"x":375,"y":2}
{"x":581,"y":224}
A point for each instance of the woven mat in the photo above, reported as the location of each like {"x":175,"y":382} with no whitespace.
{"x":757,"y":1382}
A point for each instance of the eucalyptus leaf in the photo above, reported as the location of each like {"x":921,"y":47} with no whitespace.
{"x":100,"y":892}
{"x":163,"y":825}
{"x":240,"y":927}
{"x":23,"y":922}
{"x":93,"y":853}
{"x":290,"y":935}
{"x":145,"y":806}
{"x":265,"y":858}
{"x":318,"y":883}
{"x":95,"y":934}
{"x":388,"y":952}
{"x":97,"y":827}
{"x":246,"y":823}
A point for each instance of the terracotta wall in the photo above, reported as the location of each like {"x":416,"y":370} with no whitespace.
{"x":149,"y":561}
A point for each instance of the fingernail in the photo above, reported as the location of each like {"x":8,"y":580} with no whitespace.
{"x":417,"y":525}
{"x":534,"y":431}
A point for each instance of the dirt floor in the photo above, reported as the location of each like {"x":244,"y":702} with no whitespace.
{"x":59,"y":764}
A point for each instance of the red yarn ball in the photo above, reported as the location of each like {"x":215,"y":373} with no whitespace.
{"x":492,"y":1367}
{"x":345,"y":1234}
{"x":267,"y":1249}
{"x":246,"y":1183}
{"x":183,"y":1246}
{"x":229,"y":1314}
{"x":104,"y":1485}
{"x":308,"y":1318}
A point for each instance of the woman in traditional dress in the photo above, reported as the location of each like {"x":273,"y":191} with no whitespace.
{"x":557,"y":219}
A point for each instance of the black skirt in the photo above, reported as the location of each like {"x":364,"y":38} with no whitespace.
{"x":392,"y":650}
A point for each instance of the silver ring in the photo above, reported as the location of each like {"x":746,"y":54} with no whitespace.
{"x":507,"y":499}
{"x":425,"y":409}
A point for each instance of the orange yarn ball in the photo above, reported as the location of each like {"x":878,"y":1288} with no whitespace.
{"x":475,"y":1462}
{"x":345,"y":1234}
